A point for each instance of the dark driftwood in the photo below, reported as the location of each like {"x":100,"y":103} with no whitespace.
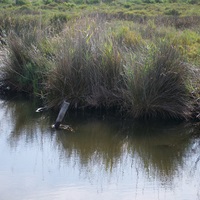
{"x":61,"y":114}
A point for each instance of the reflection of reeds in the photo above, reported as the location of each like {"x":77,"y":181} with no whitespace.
{"x":158,"y":150}
{"x":23,"y":120}
{"x":92,"y":147}
{"x":105,"y":145}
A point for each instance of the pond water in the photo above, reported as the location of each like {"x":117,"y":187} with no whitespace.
{"x":104,"y":158}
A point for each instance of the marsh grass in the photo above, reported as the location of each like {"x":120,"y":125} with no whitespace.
{"x":157,"y":85}
{"x":138,"y":70}
{"x":95,"y":71}
{"x":88,"y":66}
{"x":23,"y":67}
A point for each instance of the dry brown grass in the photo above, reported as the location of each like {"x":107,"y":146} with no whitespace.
{"x":157,"y":86}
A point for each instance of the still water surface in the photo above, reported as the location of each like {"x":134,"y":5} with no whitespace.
{"x":103,"y":159}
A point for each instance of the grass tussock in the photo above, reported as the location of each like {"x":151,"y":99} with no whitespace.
{"x":24,"y":67}
{"x":157,"y":85}
{"x":88,"y":65}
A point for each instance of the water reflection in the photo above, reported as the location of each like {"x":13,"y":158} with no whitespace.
{"x":159,"y":150}
{"x":24,"y":121}
{"x":106,"y":146}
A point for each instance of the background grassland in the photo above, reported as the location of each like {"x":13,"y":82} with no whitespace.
{"x":140,"y":59}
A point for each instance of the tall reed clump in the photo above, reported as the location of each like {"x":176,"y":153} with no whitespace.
{"x":24,"y":67}
{"x":157,"y":85}
{"x":142,"y":79}
{"x":88,"y":68}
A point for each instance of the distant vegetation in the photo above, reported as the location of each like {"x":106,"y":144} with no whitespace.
{"x":37,"y":2}
{"x":140,"y":57}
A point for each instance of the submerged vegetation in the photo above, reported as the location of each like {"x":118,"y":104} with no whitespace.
{"x":141,"y":60}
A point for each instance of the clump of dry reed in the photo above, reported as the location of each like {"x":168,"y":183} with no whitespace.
{"x":23,"y":67}
{"x":87,"y":69}
{"x":93,"y":70}
{"x":157,"y":85}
